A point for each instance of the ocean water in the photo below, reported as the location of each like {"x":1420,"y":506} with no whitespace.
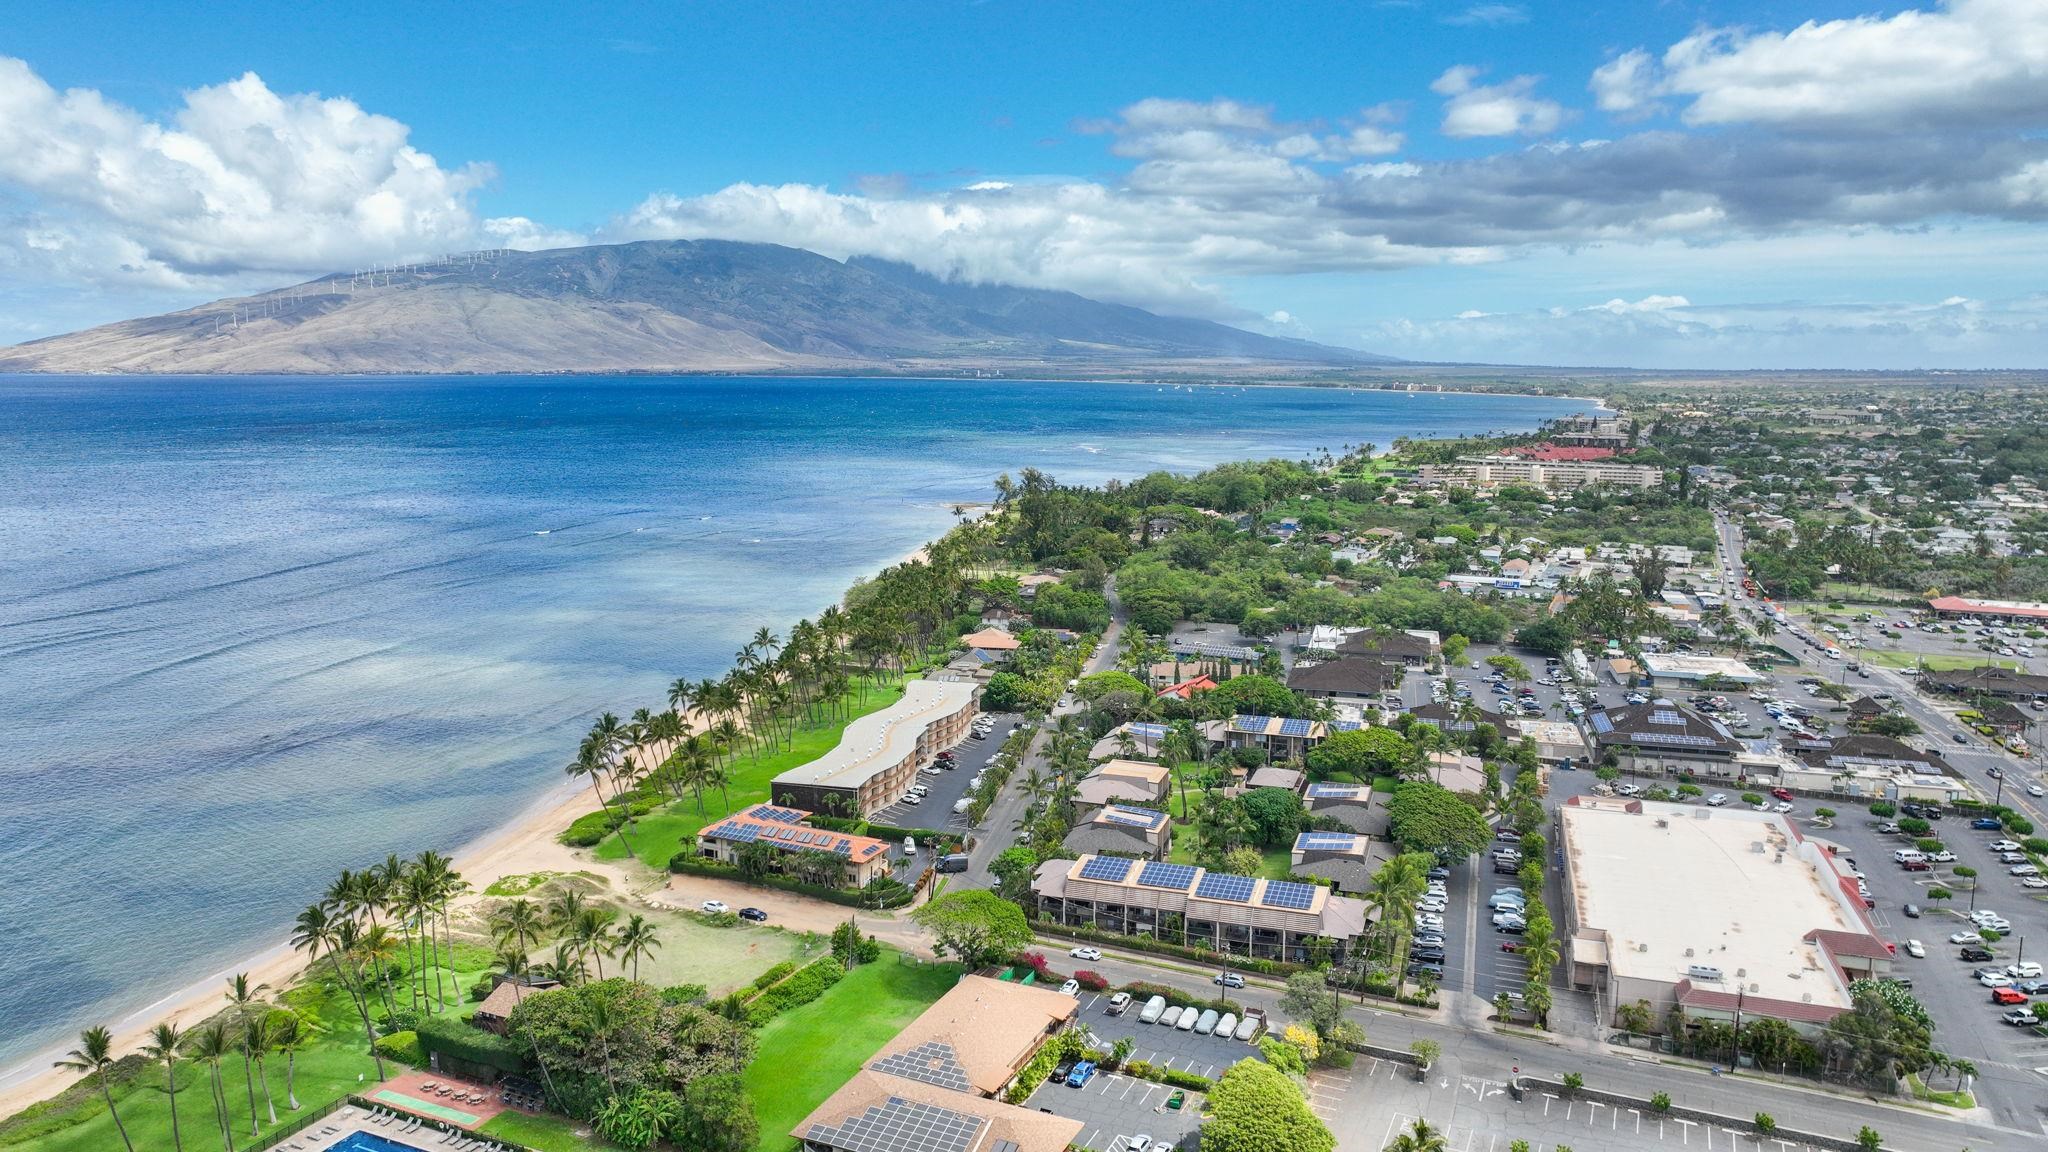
{"x":253,"y":631}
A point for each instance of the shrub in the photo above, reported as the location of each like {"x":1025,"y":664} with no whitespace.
{"x":684,"y":994}
{"x":588,"y":830}
{"x":774,"y":974}
{"x":805,"y":986}
{"x":1573,"y":1082}
{"x":1091,"y":981}
{"x":481,"y":987}
{"x":1868,"y":1139}
{"x":1766,"y":1123}
{"x":1882,"y":809}
{"x":1661,"y":1102}
{"x":464,"y":1041}
{"x":403,"y":1047}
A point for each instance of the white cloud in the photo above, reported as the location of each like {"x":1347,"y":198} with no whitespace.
{"x":1626,"y":85}
{"x":240,"y":179}
{"x":1490,"y":15}
{"x":1969,"y":64}
{"x":1667,"y":331}
{"x":1504,"y":109}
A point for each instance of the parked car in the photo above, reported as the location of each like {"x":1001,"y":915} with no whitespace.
{"x":1717,"y":799}
{"x":2024,"y":970}
{"x":1070,"y":988}
{"x":1966,"y":936}
{"x":754,"y":914}
{"x":1994,"y":980}
{"x":2008,"y":996}
{"x":714,"y":907}
{"x":2021,"y":1018}
{"x":1916,"y":949}
{"x":1943,"y":857}
{"x":1206,"y":1025}
{"x":1781,"y":793}
{"x":1912,"y":911}
{"x":1152,"y":1011}
{"x":2004,"y":845}
{"x":1118,"y":1004}
{"x":1976,"y":955}
{"x":1986,"y":824}
{"x":1079,"y":1076}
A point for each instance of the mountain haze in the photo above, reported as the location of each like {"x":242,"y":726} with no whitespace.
{"x":658,"y":306}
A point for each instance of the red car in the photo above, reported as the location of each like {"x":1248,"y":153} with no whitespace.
{"x":1917,"y":866}
{"x":1784,"y":794}
{"x":2008,"y":996}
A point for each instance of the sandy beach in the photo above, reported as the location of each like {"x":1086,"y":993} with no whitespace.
{"x":524,"y":844}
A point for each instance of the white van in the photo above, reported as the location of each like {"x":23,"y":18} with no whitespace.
{"x":963,"y":804}
{"x":1908,"y":855}
{"x":1153,"y":1009}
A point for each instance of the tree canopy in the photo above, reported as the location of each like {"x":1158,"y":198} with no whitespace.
{"x":1361,"y":752}
{"x":1256,"y":1108}
{"x":1276,"y":815}
{"x":976,"y":927}
{"x":1255,"y":696}
{"x":1425,"y":817}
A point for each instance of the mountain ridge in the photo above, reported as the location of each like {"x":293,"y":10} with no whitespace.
{"x":658,"y":306}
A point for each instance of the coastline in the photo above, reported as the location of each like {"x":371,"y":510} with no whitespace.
{"x":524,"y":843}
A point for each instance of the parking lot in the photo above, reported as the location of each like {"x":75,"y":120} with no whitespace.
{"x":947,"y":788}
{"x":1113,"y":1106}
{"x":1967,"y":1022}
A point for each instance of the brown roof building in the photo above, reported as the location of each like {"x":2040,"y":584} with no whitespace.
{"x":931,"y":1089}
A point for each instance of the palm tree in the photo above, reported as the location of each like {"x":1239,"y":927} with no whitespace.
{"x":316,"y":930}
{"x":259,"y":1036}
{"x":517,"y":924}
{"x":163,"y":1045}
{"x":95,"y":1055}
{"x":391,"y":893}
{"x":212,"y":1046}
{"x":291,"y":1036}
{"x":1419,"y":1137}
{"x":443,"y":884}
{"x":592,"y":936}
{"x":566,"y":906}
{"x":635,"y":940}
{"x":242,"y":996}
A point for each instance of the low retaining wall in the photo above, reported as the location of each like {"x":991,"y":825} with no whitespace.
{"x":1521,"y":1086}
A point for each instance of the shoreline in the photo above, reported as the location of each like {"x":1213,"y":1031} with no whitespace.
{"x":523,"y":843}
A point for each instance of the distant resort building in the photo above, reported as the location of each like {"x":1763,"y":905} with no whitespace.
{"x":1191,"y":906}
{"x":1496,"y":471}
{"x":863,"y":857}
{"x":878,"y":755}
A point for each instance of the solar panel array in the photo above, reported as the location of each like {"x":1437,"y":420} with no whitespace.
{"x":1679,"y":738}
{"x":1156,"y":874}
{"x":1334,"y":791}
{"x":1150,"y":731}
{"x":1602,"y":722}
{"x":1287,"y":894}
{"x":932,"y":1062}
{"x":1110,"y":868}
{"x":1250,"y":723}
{"x":1293,"y":727}
{"x":901,"y":1125}
{"x":1222,"y":886}
{"x":1130,"y":817}
{"x":783,"y":815}
{"x":1346,"y":725}
{"x":730,"y":830}
{"x":1667,"y":716}
{"x":1325,"y":841}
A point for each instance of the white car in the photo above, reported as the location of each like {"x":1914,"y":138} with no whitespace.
{"x":714,"y":907}
{"x":2005,"y":845}
{"x":1629,"y":789}
{"x":1965,"y":938}
{"x":1085,"y":953}
{"x":1943,"y":857}
{"x":1916,"y":949}
{"x":1995,"y":980}
{"x":2024,"y":970}
{"x":1717,"y":799}
{"x":2036,"y":790}
{"x":1784,"y":806}
{"x":1070,"y":988}
{"x":2034,"y":881}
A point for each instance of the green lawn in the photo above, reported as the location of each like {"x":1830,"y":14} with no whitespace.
{"x":805,"y":1054}
{"x":1933,"y":662}
{"x":333,"y":1065}
{"x":547,"y":1132}
{"x":721,"y":959}
{"x":1274,"y":863}
{"x":659,"y":836}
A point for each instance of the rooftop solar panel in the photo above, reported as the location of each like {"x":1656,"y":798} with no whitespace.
{"x":1131,"y":817}
{"x":1667,"y":716}
{"x":1292,"y":727}
{"x":1287,"y":894}
{"x":1219,"y":886}
{"x":1334,"y":791}
{"x":1602,"y":723}
{"x":1149,"y":731}
{"x":783,"y":815}
{"x":1250,"y":723}
{"x":1346,"y":725}
{"x":1110,"y":868}
{"x":1156,"y":874}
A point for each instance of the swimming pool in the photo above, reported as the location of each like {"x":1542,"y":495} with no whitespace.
{"x":361,"y":1141}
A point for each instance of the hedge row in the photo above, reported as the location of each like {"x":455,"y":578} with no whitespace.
{"x":685,"y":863}
{"x":465,"y":1041}
{"x":1172,"y":1077}
{"x":806,"y":985}
{"x":403,"y":1047}
{"x":1160,"y":947}
{"x":1142,"y":991}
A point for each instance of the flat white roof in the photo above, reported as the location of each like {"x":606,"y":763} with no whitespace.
{"x":1736,"y":889}
{"x":880,"y":740}
{"x":1698,"y":667}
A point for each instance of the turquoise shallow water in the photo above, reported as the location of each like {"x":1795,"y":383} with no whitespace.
{"x":253,"y":631}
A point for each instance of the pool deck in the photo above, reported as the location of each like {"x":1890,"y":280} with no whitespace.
{"x":331,"y":1131}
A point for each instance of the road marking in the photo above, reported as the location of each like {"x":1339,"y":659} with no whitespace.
{"x":1637,"y":1113}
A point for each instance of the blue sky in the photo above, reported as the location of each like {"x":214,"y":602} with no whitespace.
{"x":1661,"y":184}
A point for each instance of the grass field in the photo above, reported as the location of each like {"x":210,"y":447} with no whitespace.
{"x":805,"y":1054}
{"x":1934,"y":661}
{"x":721,"y":959}
{"x":548,"y":1133}
{"x":659,"y":835}
{"x":333,"y":1065}
{"x":1274,"y":863}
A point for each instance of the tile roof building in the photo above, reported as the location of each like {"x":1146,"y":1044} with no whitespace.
{"x":1987,"y":680}
{"x":1952,"y":606}
{"x":1388,"y":647}
{"x":932,"y":1088}
{"x":1121,"y":830}
{"x":1191,"y":906}
{"x":1661,"y":737}
{"x":1353,"y":805}
{"x":863,"y":857}
{"x":878,"y":755}
{"x":1356,"y":679}
{"x":1137,"y":781}
{"x":991,"y":640}
{"x":1560,"y":476}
